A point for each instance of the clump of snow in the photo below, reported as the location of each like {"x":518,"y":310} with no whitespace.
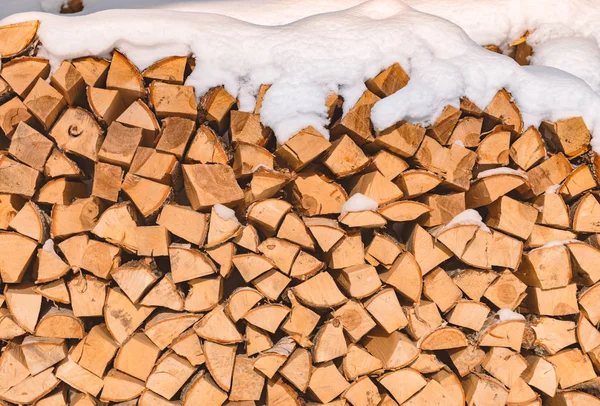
{"x":306,"y":60}
{"x":553,"y":189}
{"x":501,"y":170}
{"x":459,"y":143}
{"x":506,"y":314}
{"x":556,"y":243}
{"x":359,"y":202}
{"x":225,"y":213}
{"x":257,"y":167}
{"x":469,"y":216}
{"x":49,"y":247}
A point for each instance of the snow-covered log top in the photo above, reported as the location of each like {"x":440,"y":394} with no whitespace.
{"x":308,"y":59}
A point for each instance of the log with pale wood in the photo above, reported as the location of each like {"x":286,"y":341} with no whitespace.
{"x":157,"y":247}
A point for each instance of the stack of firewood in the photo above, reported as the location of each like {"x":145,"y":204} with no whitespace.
{"x":159,"y":251}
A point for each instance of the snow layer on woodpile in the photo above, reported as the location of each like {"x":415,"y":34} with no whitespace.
{"x":557,"y":243}
{"x":225,"y":213}
{"x":469,"y":216}
{"x":502,"y":171}
{"x":565,"y":34}
{"x":336,"y":52}
{"x":359,"y":202}
{"x":506,"y":314}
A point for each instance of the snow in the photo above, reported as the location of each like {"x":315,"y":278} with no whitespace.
{"x":49,"y":247}
{"x":556,"y":243}
{"x":259,"y":166}
{"x":225,"y":213}
{"x":459,"y":143}
{"x":359,"y":202}
{"x":553,"y":189}
{"x":501,"y":171}
{"x":506,"y":314}
{"x":307,"y":59}
{"x":469,"y":216}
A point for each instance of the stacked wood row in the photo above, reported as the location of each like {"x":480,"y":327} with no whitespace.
{"x":156,"y":250}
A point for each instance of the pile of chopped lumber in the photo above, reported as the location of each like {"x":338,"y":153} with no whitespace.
{"x":445,"y":265}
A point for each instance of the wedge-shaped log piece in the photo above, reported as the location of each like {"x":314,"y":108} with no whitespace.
{"x":87,"y":295}
{"x":215,"y":106}
{"x":140,"y":115}
{"x":207,"y":185}
{"x":300,"y":323}
{"x":78,"y":133}
{"x":80,"y":216}
{"x":326,"y":232}
{"x":542,"y":235}
{"x":267,"y":317}
{"x":32,"y":222}
{"x":157,"y":166}
{"x":248,"y":156}
{"x":9,"y":207}
{"x":9,"y":329}
{"x":257,"y":340}
{"x":125,"y":77}
{"x":22,"y":73}
{"x":403,"y":138}
{"x":377,"y":187}
{"x":578,"y":182}
{"x":570,"y":136}
{"x":488,"y":189}
{"x":362,"y":392}
{"x":345,"y":158}
{"x":493,"y":149}
{"x":305,"y":266}
{"x":512,"y":217}
{"x":241,"y":301}
{"x":17,"y":178}
{"x":188,"y":345}
{"x":390,"y":165}
{"x":30,"y":147}
{"x":432,"y":156}
{"x":359,"y":281}
{"x":122,"y":317}
{"x":152,"y":241}
{"x":93,"y":70}
{"x":358,"y":362}
{"x":217,"y":327}
{"x":550,"y":172}
{"x":395,"y":350}
{"x":320,"y":291}
{"x":220,"y":360}
{"x":553,"y":302}
{"x":223,"y":226}
{"x":164,"y":294}
{"x":355,"y":321}
{"x":541,"y":374}
{"x":96,"y":350}
{"x":169,"y":375}
{"x":388,"y":81}
{"x":503,"y":109}
{"x":248,"y":238}
{"x":223,"y":256}
{"x":14,"y":368}
{"x":107,"y":181}
{"x":386,"y":310}
{"x":137,"y":356}
{"x":267,"y":214}
{"x":428,"y":252}
{"x":206,"y":147}
{"x":383,"y":249}
{"x":363,"y":219}
{"x":504,"y":291}
{"x":469,"y":314}
{"x":55,"y":291}
{"x":347,"y":252}
{"x":24,"y":305}
{"x":326,"y":382}
{"x":187,"y":264}
{"x":444,"y":338}
{"x":405,"y":277}
{"x":135,"y":278}
{"x":15,"y":38}
{"x":202,"y":390}
{"x":585,"y":214}
{"x":422,"y":319}
{"x":588,"y":301}
{"x":69,"y":82}
{"x":480,"y":388}
{"x":107,"y":105}
{"x":61,"y":191}
{"x":267,"y":182}
{"x":546,"y":267}
{"x":169,"y":70}
{"x":282,"y":253}
{"x":357,"y":121}
{"x":552,"y":334}
{"x":444,"y":124}
{"x":587,"y":335}
{"x":100,"y":258}
{"x":403,"y":384}
{"x":459,"y":168}
{"x":60,"y":323}
{"x":443,"y":208}
{"x":572,"y":367}
{"x":120,"y":145}
{"x":269,"y":361}
{"x":470,"y":243}
{"x":170,"y":100}
{"x":120,"y":387}
{"x":185,"y":223}
{"x":314,"y":194}
{"x":45,"y":103}
{"x":528,"y":149}
{"x":504,"y":365}
{"x":148,"y":196}
{"x":12,"y":113}
{"x":439,"y":288}
{"x":583,"y":260}
{"x":78,"y":377}
{"x":204,"y":294}
{"x":247,"y":383}
{"x":508,"y":334}
{"x":39,"y":353}
{"x":246,"y":127}
{"x":271,"y":284}
{"x":32,"y":389}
